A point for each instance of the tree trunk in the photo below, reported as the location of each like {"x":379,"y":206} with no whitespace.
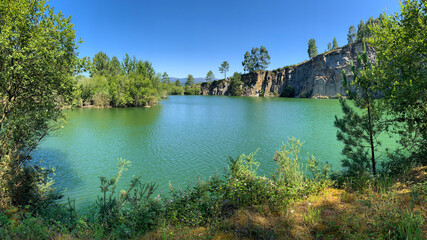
{"x":371,"y":142}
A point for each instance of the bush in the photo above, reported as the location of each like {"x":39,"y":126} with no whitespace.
{"x":287,"y":159}
{"x":288,"y":91}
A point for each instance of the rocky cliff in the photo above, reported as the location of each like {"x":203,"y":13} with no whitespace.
{"x":318,"y":77}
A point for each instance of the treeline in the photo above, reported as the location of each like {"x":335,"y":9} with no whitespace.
{"x":128,"y":83}
{"x":359,"y":35}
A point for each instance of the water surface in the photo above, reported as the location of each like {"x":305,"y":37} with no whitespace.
{"x":183,"y":138}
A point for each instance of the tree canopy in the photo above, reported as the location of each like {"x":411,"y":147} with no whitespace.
{"x":258,"y":59}
{"x":401,"y":50}
{"x":38,"y":58}
{"x":190,"y":80}
{"x":312,"y":48}
{"x":224,"y":68}
{"x":210,"y":76}
{"x":351,"y":35}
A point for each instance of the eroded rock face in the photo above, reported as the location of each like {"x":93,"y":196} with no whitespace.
{"x":318,"y":77}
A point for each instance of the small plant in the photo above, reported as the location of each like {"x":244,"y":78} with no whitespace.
{"x":312,"y":216}
{"x":410,"y":225}
{"x":287,"y":159}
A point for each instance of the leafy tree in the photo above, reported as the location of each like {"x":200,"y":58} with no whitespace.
{"x":129,"y":64}
{"x":359,"y":129}
{"x":334,"y":44}
{"x":247,"y":62}
{"x":115,"y":66}
{"x":165,"y":78}
{"x":224,"y":68}
{"x":400,"y":43}
{"x":329,"y":46}
{"x":258,"y":59}
{"x":190,"y":80}
{"x":364,"y":29}
{"x":351,"y":35}
{"x":210,"y":76}
{"x":177,"y":83}
{"x":235,"y":84}
{"x":312,"y":48}
{"x":100,"y":64}
{"x":38,"y":58}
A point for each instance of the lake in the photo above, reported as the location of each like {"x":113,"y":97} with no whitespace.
{"x":182,"y":138}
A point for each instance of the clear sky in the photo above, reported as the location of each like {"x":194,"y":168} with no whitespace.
{"x":184,"y":37}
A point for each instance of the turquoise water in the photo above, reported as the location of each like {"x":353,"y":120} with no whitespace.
{"x":183,"y":138}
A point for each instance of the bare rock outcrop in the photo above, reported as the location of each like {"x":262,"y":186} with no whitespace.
{"x":318,"y":77}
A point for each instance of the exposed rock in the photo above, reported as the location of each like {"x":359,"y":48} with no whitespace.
{"x":319,"y":77}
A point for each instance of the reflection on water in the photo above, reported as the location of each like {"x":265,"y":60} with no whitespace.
{"x":182,"y":138}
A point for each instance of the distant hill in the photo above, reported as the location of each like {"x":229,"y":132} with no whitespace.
{"x":183,"y":80}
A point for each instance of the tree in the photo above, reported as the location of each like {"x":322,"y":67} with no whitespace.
{"x":400,"y":42}
{"x":38,"y":58}
{"x":224,"y":68}
{"x":190,"y":80}
{"x":210,"y":76}
{"x":247,"y":62}
{"x":359,"y":129}
{"x":351,"y":35}
{"x":258,"y":59}
{"x":364,"y":29}
{"x":115,"y":66}
{"x":235,"y":84}
{"x":334,"y":44}
{"x":177,"y":83}
{"x":329,"y":46}
{"x":312,"y":48}
{"x":100,"y":64}
{"x":129,"y":64}
{"x":165,"y":78}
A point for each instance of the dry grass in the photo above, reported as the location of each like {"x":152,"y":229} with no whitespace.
{"x":342,"y":215}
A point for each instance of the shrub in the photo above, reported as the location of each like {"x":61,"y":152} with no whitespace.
{"x":288,"y":91}
{"x":288,"y":164}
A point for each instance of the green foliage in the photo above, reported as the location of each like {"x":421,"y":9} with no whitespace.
{"x":312,"y":48}
{"x":192,"y":90}
{"x":100,"y":64}
{"x":359,"y":129}
{"x":236,"y":85}
{"x":399,"y":41}
{"x":287,"y":159}
{"x":364,"y":31}
{"x":224,"y":69}
{"x":289,"y":91}
{"x":210,"y":76}
{"x":334,"y":44}
{"x":258,"y":59}
{"x":351,"y":35}
{"x":190,"y":80}
{"x":312,"y":216}
{"x":38,"y":58}
{"x":115,"y":66}
{"x":165,"y":78}
{"x":137,"y":84}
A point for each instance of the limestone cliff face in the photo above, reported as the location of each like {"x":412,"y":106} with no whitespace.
{"x":318,"y":77}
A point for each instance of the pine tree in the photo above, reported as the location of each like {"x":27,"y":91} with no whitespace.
{"x":334,"y":44}
{"x":361,"y":125}
{"x":351,"y":35}
{"x":312,"y":48}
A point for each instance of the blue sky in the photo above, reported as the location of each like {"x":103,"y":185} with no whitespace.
{"x":195,"y":36}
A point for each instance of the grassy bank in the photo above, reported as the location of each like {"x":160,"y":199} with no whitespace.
{"x":239,"y":204}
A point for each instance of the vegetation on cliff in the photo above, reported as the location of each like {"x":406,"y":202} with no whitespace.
{"x":39,"y":60}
